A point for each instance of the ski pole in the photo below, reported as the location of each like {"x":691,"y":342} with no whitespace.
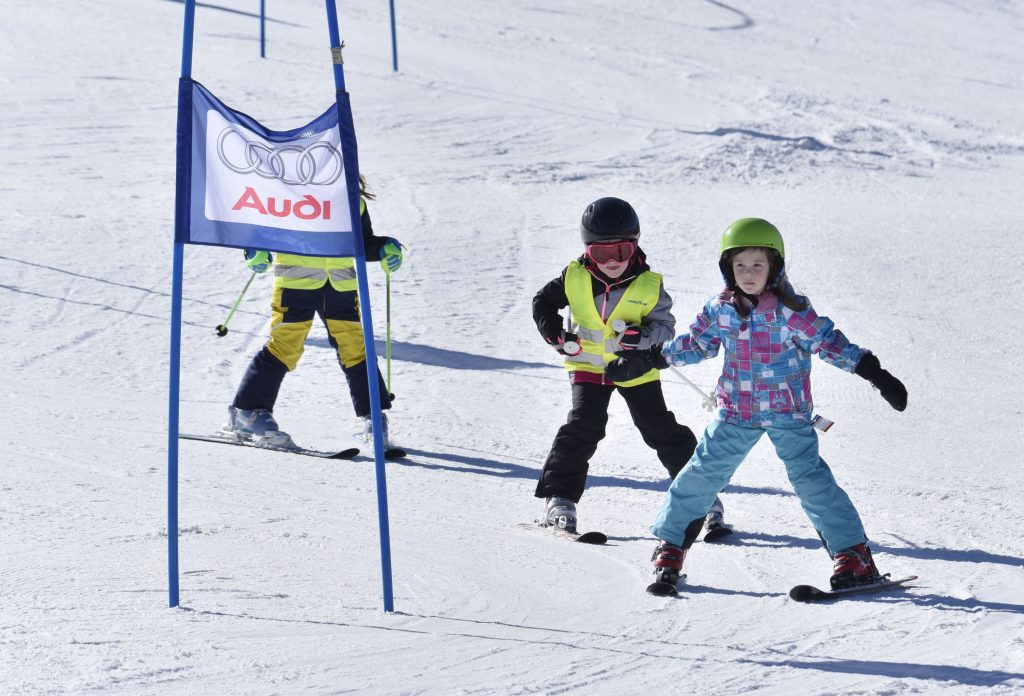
{"x":222,"y":329}
{"x":387,"y":350}
{"x":708,"y":402}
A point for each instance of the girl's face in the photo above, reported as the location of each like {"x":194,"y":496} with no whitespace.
{"x":614,"y":268}
{"x":751,"y":267}
{"x":612,"y":258}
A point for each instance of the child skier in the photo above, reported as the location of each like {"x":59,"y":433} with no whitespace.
{"x":610,"y":282}
{"x":306,"y":286}
{"x":769,"y":334}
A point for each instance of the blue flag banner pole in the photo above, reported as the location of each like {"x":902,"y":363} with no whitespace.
{"x":348,"y":138}
{"x":180,"y":215}
{"x":263,"y":28}
{"x":394,"y":40}
{"x":240,"y":184}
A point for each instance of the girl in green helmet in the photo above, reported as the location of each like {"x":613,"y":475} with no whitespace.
{"x":769,"y":334}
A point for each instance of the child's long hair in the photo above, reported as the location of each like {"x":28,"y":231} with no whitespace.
{"x":778,"y":283}
{"x":364,"y":191}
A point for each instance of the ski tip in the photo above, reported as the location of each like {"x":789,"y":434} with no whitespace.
{"x":350,"y":453}
{"x":805,"y":593}
{"x":717,"y":534}
{"x":592,"y":538}
{"x":662,"y":589}
{"x":394,"y":453}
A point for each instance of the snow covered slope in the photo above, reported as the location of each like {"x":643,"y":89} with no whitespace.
{"x":884,"y":139}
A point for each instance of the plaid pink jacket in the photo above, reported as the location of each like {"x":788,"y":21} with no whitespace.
{"x":766,"y":375}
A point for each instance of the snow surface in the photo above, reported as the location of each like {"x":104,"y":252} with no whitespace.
{"x":883,"y":138}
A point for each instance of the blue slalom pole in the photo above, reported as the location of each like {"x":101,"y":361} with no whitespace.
{"x":351,"y":162}
{"x":394,"y":40}
{"x":263,"y":28}
{"x":172,"y":428}
{"x":336,"y":62}
{"x":175,"y":356}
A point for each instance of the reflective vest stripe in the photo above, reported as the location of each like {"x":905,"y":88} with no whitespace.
{"x":585,"y":358}
{"x":312,"y":272}
{"x":300,"y":272}
{"x":592,"y":335}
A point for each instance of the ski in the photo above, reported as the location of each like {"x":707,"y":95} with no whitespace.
{"x":391,"y":452}
{"x":230,"y":439}
{"x":660,"y":588}
{"x":717,"y":532}
{"x":584,"y":538}
{"x":809,"y":593}
{"x":596,"y":538}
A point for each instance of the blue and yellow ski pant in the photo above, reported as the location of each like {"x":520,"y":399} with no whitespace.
{"x":290,"y":323}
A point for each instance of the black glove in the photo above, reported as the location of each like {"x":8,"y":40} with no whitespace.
{"x":891,"y":388}
{"x":635,"y":364}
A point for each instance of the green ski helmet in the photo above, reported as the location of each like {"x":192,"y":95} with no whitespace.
{"x":752,"y":232}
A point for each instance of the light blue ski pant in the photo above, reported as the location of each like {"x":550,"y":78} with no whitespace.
{"x":718,"y":455}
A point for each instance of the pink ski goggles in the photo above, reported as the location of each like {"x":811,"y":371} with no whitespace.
{"x":603,"y":252}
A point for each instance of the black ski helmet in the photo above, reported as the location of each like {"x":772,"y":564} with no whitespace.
{"x":608,"y":219}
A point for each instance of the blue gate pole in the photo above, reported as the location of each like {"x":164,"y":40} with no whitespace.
{"x":175,"y":357}
{"x":394,"y":40}
{"x":351,"y":162}
{"x":263,"y":28}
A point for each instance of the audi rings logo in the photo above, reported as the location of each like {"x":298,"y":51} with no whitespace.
{"x":291,"y":164}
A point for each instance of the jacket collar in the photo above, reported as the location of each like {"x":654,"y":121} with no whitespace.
{"x":766,"y":302}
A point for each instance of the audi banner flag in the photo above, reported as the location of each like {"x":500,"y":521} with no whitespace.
{"x":248,"y":186}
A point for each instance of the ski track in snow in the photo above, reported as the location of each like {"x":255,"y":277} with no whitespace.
{"x":884,"y":140}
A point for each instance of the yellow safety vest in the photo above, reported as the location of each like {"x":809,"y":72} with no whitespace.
{"x":597,"y":339}
{"x":311,"y":272}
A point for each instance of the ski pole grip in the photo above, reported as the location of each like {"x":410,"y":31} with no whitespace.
{"x":619,"y":327}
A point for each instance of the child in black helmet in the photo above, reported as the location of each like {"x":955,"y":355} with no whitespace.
{"x":610,"y":283}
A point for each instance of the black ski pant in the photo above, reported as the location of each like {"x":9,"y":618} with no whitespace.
{"x":565,"y":471}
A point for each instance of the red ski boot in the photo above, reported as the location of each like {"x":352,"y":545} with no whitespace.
{"x":854,"y":566}
{"x":668,"y":562}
